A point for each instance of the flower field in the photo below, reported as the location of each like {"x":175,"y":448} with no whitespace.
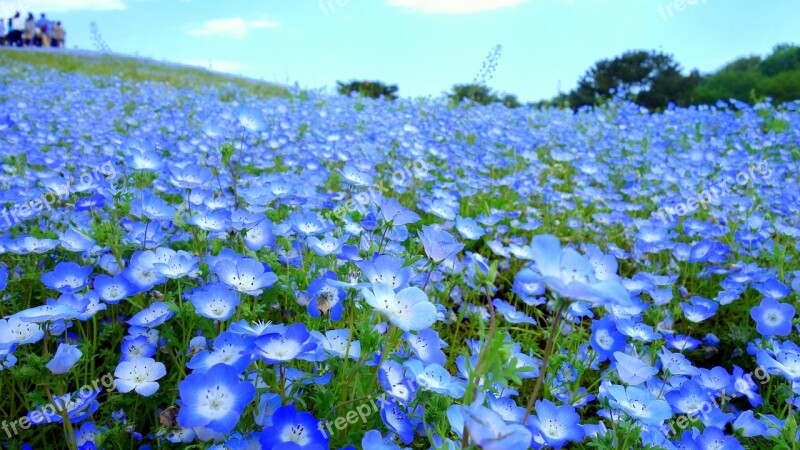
{"x":211,"y":269}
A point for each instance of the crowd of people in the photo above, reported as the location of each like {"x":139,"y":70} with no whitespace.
{"x":19,"y":31}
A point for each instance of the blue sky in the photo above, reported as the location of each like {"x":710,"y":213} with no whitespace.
{"x":424,"y":46}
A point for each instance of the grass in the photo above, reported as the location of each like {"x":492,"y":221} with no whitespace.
{"x":140,"y":70}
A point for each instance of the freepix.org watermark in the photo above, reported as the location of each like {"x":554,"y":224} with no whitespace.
{"x":47,"y":413}
{"x":56,"y":193}
{"x":701,"y":200}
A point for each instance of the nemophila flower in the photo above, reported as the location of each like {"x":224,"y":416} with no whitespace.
{"x":374,"y":441}
{"x":632,"y":370}
{"x":209,"y":220}
{"x":434,"y":377}
{"x":396,"y":419}
{"x":292,"y":427}
{"x":47,"y":313}
{"x":78,"y":406}
{"x":681,"y":343}
{"x":276,"y":348}
{"x":554,"y":426}
{"x":327,"y":245}
{"x":113,"y":290}
{"x":676,"y":363}
{"x":783,"y":359}
{"x":87,"y":435}
{"x":251,"y":119}
{"x":140,"y":155}
{"x":773,"y":318}
{"x":488,"y":429}
{"x":605,"y":338}
{"x":408,"y":309}
{"x":179,"y":265}
{"x":699,"y":309}
{"x":506,"y":407}
{"x":689,"y":398}
{"x":16,"y":331}
{"x":396,"y":214}
{"x":325,"y":299}
{"x":572,"y":276}
{"x":140,"y":374}
{"x":72,"y":240}
{"x":259,"y":235}
{"x":7,"y":358}
{"x":66,"y":356}
{"x":510,"y":313}
{"x":133,"y":346}
{"x":352,"y":175}
{"x":337,"y":343}
{"x":246,"y":275}
{"x":742,"y":383}
{"x":67,"y":277}
{"x":153,"y":207}
{"x":152,"y":316}
{"x":713,"y":438}
{"x":637,"y":330}
{"x":229,"y":348}
{"x":469,"y":228}
{"x":392,"y":378}
{"x":141,"y":273}
{"x":387,"y":269}
{"x":427,"y":345}
{"x":215,"y":301}
{"x":214,"y":399}
{"x":308,"y":223}
{"x":3,"y":278}
{"x":189,"y":176}
{"x":439,"y":245}
{"x":639,"y":404}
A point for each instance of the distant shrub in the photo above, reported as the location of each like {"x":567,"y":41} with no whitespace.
{"x":482,"y":95}
{"x":371,"y":89}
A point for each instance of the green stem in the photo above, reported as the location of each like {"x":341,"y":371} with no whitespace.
{"x":548,"y":349}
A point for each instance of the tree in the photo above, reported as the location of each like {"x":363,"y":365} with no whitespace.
{"x":651,"y":79}
{"x":371,"y":89}
{"x":482,"y":95}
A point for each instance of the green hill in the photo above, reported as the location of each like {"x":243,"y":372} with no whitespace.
{"x":137,"y":70}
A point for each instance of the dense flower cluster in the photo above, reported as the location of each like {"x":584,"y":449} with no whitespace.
{"x":520,"y":292}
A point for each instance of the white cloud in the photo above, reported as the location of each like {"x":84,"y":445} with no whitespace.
{"x":219,"y":65}
{"x":55,"y":6}
{"x":235,"y":28}
{"x":453,"y":6}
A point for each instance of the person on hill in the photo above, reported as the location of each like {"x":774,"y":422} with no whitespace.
{"x":59,"y":35}
{"x":44,"y":28}
{"x":29,"y":30}
{"x":2,"y":32}
{"x":15,"y":25}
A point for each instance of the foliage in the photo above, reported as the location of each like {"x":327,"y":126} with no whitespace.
{"x":371,"y":89}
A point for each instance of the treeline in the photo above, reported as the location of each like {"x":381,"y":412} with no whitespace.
{"x":649,"y":78}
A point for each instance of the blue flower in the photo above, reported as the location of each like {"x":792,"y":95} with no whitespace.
{"x":554,"y":426}
{"x":575,"y":277}
{"x":396,"y":214}
{"x":276,"y":348}
{"x":229,"y":348}
{"x":66,"y":356}
{"x":113,"y":290}
{"x":215,"y":301}
{"x":632,"y":370}
{"x":439,"y":245}
{"x":605,"y":338}
{"x":387,"y":269}
{"x":178,"y":265}
{"x":396,"y":419}
{"x":689,"y":398}
{"x":324,"y":298}
{"x":214,"y":399}
{"x":246,"y":275}
{"x":67,"y":277}
{"x":436,"y":378}
{"x":152,"y":316}
{"x":639,"y":404}
{"x":292,"y":427}
{"x":784,"y":359}
{"x":78,"y":405}
{"x":139,"y":374}
{"x":427,"y":345}
{"x":773,"y":318}
{"x":408,"y":309}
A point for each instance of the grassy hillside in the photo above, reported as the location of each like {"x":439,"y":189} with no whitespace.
{"x":137,"y":70}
